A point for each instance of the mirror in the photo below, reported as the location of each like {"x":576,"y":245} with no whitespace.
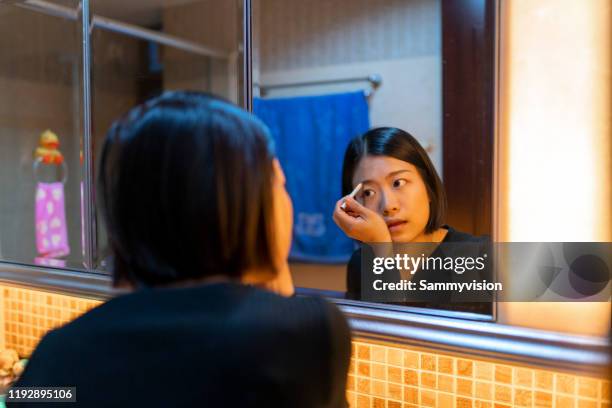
{"x":142,"y":48}
{"x":327,"y":71}
{"x":40,"y":134}
{"x":139,"y":49}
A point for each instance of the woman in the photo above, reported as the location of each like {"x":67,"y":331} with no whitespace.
{"x":402,"y":200}
{"x":197,"y":215}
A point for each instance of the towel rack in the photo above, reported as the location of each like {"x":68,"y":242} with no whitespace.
{"x":375,"y":81}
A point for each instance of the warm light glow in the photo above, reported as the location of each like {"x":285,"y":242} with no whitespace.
{"x":555,"y":139}
{"x":556,"y":108}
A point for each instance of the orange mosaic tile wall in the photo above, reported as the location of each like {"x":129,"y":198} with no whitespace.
{"x":29,"y":314}
{"x":380,"y":376}
{"x":394,"y":377}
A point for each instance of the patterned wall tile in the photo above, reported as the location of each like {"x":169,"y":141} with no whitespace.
{"x":380,"y":375}
{"x":29,"y":314}
{"x":426,"y":379}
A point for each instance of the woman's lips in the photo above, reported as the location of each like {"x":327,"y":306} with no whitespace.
{"x":395,"y":225}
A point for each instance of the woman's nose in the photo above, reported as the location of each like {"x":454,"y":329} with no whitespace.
{"x":389,"y":203}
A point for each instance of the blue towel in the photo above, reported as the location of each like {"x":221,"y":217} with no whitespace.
{"x":311,"y":134}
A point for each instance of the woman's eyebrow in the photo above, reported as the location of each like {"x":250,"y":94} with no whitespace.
{"x":364,"y":182}
{"x":393,"y":173}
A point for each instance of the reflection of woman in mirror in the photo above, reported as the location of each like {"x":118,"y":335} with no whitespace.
{"x":402,"y":199}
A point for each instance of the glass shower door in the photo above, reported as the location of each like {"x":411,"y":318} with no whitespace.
{"x":61,"y":90}
{"x":41,"y":132}
{"x":141,"y":49}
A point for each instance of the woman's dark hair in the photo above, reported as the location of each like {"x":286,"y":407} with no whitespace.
{"x":399,"y":144}
{"x":186,"y":189}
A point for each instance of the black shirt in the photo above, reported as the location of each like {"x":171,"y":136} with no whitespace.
{"x":437,"y":300}
{"x":216,"y":345}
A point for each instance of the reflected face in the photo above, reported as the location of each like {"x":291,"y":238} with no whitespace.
{"x":394,"y":189}
{"x":283,"y":214}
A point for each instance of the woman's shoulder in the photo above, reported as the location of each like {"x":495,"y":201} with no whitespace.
{"x":307,"y":310}
{"x":355,"y":258}
{"x":454,"y":235}
{"x":255,"y":313}
{"x":310,"y":324}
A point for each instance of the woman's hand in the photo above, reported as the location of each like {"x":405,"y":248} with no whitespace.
{"x":359,"y":222}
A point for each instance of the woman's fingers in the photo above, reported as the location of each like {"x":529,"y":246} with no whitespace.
{"x":359,"y":222}
{"x":341,"y":217}
{"x":351,"y":205}
{"x":352,"y":220}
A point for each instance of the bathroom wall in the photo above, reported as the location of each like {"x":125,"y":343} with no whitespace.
{"x":380,"y":374}
{"x":331,"y":39}
{"x":213,"y":24}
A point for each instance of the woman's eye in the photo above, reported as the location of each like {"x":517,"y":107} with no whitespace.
{"x":399,"y":182}
{"x":368,"y":193}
